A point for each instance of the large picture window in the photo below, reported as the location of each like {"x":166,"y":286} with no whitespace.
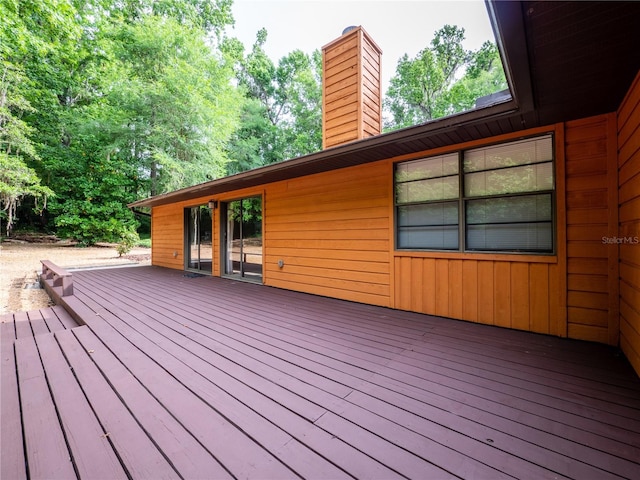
{"x":498,"y":199}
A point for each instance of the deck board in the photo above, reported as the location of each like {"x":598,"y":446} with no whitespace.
{"x":136,"y":450}
{"x":65,"y":319}
{"x":191,"y":309}
{"x":183,"y":450}
{"x":233,"y":400}
{"x":513,"y":383}
{"x":52,"y":320}
{"x":211,"y":364}
{"x":198,"y":404}
{"x":542,"y":371}
{"x":45,"y":444}
{"x":38,"y":325}
{"x":22,"y":324}
{"x":93,"y":455}
{"x":11,"y":445}
{"x":191,"y":375}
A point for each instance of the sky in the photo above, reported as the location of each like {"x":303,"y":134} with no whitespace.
{"x":397,"y":26}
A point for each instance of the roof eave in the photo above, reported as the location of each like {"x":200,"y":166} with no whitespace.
{"x":325,"y":160}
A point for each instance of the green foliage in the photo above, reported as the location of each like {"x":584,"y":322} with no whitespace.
{"x":89,"y":223}
{"x":144,"y":240}
{"x":208,"y":15}
{"x":17,"y":179}
{"x":16,"y":182}
{"x":116,"y":100}
{"x":128,"y":240}
{"x":175,"y":100}
{"x":252,"y":144}
{"x":281,"y":117}
{"x":430,"y":86}
{"x":108,"y":101}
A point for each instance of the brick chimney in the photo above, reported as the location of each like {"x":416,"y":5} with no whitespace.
{"x":351,"y":88}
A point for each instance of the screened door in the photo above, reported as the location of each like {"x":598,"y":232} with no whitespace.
{"x":243,"y":238}
{"x":199,"y":228}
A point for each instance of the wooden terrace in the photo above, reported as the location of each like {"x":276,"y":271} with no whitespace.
{"x":179,"y":376}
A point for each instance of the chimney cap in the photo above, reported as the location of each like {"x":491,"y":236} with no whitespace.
{"x":349,"y":29}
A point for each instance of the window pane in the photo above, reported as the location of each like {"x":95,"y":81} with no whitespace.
{"x":428,"y":214}
{"x":441,"y":166}
{"x":510,"y":223}
{"x":533,"y":237}
{"x":440,"y":237}
{"x":528,"y":178}
{"x":432,"y":225}
{"x":529,"y":208}
{"x":426,"y":190}
{"x":525,"y":152}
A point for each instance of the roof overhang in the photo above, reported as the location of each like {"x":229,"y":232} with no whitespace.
{"x":351,"y":154}
{"x":560,"y":59}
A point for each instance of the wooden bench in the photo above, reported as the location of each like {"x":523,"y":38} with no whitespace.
{"x":56,"y":280}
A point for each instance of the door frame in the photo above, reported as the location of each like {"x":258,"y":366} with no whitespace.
{"x":187,"y":243}
{"x":224,"y":241}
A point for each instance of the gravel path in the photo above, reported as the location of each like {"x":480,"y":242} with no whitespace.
{"x":20,"y":265}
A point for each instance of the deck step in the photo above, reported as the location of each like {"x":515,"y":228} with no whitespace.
{"x":38,"y":322}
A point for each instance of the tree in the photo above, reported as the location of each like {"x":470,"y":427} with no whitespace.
{"x":484,"y":75}
{"x":211,"y":16}
{"x":129,"y":99}
{"x":176,"y":104}
{"x":17,"y":180}
{"x":165,"y":110}
{"x":431,"y":85}
{"x":281,"y":116}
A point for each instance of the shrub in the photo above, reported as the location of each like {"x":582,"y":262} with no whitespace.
{"x":128,"y":240}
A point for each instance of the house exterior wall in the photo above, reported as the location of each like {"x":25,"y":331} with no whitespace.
{"x":628,"y":129}
{"x":525,"y":292}
{"x":167,"y":235}
{"x":591,"y":201}
{"x":334,"y":233}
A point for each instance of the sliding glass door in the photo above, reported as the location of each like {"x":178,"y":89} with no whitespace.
{"x":243,"y":238}
{"x":199,"y":228}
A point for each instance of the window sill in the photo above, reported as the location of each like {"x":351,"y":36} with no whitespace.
{"x":501,"y":257}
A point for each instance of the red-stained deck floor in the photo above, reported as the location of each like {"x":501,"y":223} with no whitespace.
{"x":180,"y":377}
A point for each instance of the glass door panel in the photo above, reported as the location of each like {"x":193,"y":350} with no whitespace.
{"x":243,"y":233}
{"x":199,"y":225}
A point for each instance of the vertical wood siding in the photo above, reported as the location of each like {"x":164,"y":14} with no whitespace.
{"x":514,"y":294}
{"x":629,"y":217}
{"x":592,"y":262}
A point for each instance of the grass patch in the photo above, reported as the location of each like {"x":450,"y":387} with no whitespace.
{"x":145,"y":240}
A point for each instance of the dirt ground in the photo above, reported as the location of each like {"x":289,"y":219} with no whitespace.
{"x":20,"y":266}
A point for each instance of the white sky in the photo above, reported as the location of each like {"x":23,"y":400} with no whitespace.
{"x":397,"y":26}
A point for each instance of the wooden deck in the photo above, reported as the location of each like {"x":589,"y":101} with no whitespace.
{"x":176,"y":376}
